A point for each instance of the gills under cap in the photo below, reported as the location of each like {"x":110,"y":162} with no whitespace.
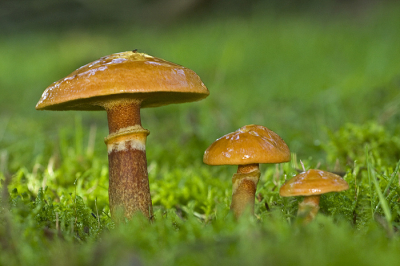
{"x":313,"y":182}
{"x":248,"y":145}
{"x":127,"y":75}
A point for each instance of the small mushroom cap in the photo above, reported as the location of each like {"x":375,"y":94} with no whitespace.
{"x":313,"y":182}
{"x":248,"y":145}
{"x":126,"y":75}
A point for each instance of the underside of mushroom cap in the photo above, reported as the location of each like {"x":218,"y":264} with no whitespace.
{"x":124,"y":76}
{"x":313,"y":182}
{"x":248,"y":145}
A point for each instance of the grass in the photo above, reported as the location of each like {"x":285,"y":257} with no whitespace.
{"x":329,"y":86}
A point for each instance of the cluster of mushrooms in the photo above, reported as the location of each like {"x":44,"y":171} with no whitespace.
{"x":251,"y":145}
{"x":122,"y":84}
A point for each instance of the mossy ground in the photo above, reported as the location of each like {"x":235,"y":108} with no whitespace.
{"x":328,"y":85}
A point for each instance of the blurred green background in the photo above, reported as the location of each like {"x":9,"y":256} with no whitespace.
{"x":324,"y":75}
{"x":297,"y":67}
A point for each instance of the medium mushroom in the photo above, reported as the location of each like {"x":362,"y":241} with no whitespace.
{"x":121,"y":84}
{"x":311,"y":184}
{"x":247,"y":147}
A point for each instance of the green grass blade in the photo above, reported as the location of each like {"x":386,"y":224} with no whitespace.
{"x":394,"y":174}
{"x":369,"y":180}
{"x":382,"y":200}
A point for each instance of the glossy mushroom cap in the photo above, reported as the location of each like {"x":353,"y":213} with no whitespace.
{"x":248,"y":145}
{"x":127,"y":75}
{"x":313,"y":182}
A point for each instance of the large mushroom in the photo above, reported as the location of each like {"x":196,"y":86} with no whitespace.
{"x":247,"y":147}
{"x":312,"y":184}
{"x":121,"y":84}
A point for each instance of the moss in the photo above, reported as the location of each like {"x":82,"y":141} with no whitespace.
{"x":295,"y":74}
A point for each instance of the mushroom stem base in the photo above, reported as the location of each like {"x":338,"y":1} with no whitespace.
{"x":244,"y":186}
{"x":309,"y":208}
{"x":129,"y":190}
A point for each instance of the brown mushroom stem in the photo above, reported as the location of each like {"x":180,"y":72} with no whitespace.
{"x":309,"y":208}
{"x":129,"y":189}
{"x":244,"y":185}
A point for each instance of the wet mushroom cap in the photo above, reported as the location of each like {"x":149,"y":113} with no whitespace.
{"x":126,"y":75}
{"x":313,"y":182}
{"x":248,"y":145}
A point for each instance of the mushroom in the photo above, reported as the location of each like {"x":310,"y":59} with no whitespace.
{"x":121,"y":84}
{"x":247,"y":147}
{"x":311,"y":184}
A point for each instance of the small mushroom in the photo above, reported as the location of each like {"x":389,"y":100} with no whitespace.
{"x":121,"y":84}
{"x":247,"y":147}
{"x":311,"y":184}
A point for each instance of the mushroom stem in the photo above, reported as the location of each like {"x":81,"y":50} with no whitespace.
{"x":244,"y":185}
{"x":129,"y":189}
{"x":309,"y":208}
{"x":122,"y":114}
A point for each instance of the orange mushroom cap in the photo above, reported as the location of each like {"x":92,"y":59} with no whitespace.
{"x":126,"y":75}
{"x":248,"y":145}
{"x":313,"y":182}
